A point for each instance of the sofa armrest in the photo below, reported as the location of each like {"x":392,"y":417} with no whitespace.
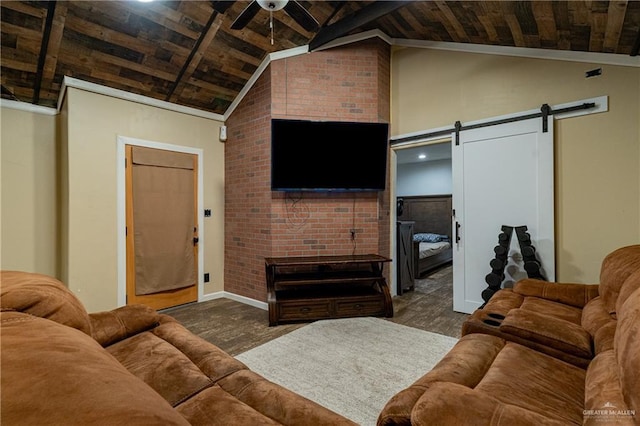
{"x":453,"y":404}
{"x":464,"y":365}
{"x":570,"y":294}
{"x":112,"y":326}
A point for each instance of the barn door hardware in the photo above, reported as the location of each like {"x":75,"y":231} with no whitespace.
{"x":545,"y":111}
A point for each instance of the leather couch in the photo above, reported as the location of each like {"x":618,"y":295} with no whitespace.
{"x":63,"y":366}
{"x":524,"y":368}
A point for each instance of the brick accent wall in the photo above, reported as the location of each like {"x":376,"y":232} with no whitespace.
{"x":348,"y":83}
{"x":248,"y":192}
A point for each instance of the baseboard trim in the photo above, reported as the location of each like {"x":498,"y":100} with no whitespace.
{"x":236,"y":297}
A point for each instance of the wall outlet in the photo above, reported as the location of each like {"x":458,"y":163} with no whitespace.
{"x":206,"y":277}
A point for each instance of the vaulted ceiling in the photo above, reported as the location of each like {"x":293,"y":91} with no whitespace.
{"x":185,"y":52}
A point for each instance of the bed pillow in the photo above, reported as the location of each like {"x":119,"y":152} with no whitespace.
{"x":428,"y":237}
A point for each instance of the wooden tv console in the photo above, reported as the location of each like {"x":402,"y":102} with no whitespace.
{"x":321,"y":287}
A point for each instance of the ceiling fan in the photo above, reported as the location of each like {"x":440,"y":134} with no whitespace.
{"x":291,"y":7}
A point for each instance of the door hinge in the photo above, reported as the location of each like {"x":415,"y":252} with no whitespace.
{"x":126,"y":231}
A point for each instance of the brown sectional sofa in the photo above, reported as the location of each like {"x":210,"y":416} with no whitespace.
{"x":62,"y":366}
{"x":516,"y":363}
{"x":540,"y":354}
{"x":571,"y":322}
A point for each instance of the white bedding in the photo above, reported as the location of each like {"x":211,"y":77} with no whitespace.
{"x":430,"y":249}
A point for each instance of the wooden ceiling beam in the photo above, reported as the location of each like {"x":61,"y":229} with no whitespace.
{"x":615,"y":21}
{"x":8,"y":94}
{"x":192,"y":62}
{"x":545,"y":20}
{"x":513,"y":24}
{"x":636,"y":46}
{"x":46,"y":32}
{"x":362,"y":17}
{"x":459,"y":35}
{"x":53,"y":48}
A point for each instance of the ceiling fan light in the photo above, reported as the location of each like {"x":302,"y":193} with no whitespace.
{"x":272,"y":5}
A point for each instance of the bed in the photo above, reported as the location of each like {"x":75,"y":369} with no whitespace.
{"x":432,"y":245}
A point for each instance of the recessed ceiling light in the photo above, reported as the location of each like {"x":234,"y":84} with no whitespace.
{"x":145,"y":1}
{"x":422,"y":156}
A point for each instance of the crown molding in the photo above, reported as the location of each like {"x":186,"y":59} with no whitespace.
{"x":24,"y":106}
{"x":282,"y":54}
{"x":121,"y":94}
{"x":354,"y":38}
{"x":524,"y":52}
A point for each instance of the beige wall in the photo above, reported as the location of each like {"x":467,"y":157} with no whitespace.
{"x":597,"y":156}
{"x":29,"y":213}
{"x":94,"y":122}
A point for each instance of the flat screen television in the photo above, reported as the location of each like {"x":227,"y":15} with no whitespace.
{"x":328,"y":155}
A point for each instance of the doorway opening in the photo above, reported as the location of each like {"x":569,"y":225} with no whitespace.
{"x":422,"y":192}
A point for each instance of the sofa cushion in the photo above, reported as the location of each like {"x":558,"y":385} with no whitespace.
{"x":57,"y":375}
{"x":552,"y":309}
{"x":570,"y":294}
{"x":547,"y":330}
{"x":536,"y":382}
{"x":278,"y":403}
{"x":112,"y":326}
{"x":160,"y":365}
{"x":208,"y":386}
{"x":502,"y":304}
{"x":182,"y":364}
{"x":44,"y":297}
{"x":215,"y":406}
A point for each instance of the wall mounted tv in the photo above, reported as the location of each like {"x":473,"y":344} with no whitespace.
{"x":328,"y":155}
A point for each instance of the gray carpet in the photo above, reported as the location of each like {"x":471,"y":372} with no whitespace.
{"x":351,"y":366}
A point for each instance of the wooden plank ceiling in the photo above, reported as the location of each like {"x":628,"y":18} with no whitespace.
{"x":185,"y":51}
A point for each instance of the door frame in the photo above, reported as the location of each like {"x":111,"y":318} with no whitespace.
{"x":393,"y":285}
{"x":121,"y":142}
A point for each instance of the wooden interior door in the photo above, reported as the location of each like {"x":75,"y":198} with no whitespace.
{"x":162,"y":227}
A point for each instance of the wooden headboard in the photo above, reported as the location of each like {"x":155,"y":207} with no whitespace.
{"x":431,"y":213}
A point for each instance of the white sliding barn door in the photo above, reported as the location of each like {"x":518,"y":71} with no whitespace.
{"x":502,"y":175}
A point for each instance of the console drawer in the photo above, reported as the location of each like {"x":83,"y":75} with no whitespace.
{"x":304,"y":310}
{"x":370,"y":306}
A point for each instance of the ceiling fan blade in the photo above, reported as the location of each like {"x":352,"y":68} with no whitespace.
{"x":301,"y":16}
{"x":221,"y":6}
{"x":245,"y":16}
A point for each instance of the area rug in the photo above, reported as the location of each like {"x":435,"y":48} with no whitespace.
{"x":352,"y":366}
